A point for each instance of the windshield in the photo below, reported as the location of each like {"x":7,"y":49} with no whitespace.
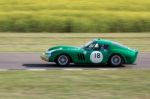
{"x":89,"y":45}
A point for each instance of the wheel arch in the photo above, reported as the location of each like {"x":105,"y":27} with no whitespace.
{"x":64,"y":54}
{"x":122,"y":56}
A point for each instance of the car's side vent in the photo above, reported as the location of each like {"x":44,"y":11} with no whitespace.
{"x":81,"y":57}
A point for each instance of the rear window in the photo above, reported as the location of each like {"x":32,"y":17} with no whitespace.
{"x":106,"y":46}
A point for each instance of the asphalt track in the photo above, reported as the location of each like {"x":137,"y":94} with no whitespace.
{"x":22,"y":61}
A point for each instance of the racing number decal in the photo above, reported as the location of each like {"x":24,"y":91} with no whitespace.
{"x":96,"y":57}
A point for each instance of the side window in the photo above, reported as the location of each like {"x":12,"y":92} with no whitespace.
{"x":104,"y":47}
{"x":91,"y":46}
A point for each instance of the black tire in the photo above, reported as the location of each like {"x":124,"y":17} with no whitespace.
{"x":116,"y":60}
{"x":63,"y":60}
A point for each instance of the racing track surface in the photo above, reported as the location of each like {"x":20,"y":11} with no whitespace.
{"x":19,"y":61}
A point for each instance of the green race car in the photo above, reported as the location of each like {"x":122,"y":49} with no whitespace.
{"x":97,"y":51}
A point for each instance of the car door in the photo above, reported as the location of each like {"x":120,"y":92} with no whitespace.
{"x":97,"y":54}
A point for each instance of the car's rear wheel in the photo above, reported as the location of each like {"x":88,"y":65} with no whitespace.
{"x":63,"y":60}
{"x":116,"y":60}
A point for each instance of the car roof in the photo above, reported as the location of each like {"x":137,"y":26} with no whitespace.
{"x":103,"y":41}
{"x":109,"y":42}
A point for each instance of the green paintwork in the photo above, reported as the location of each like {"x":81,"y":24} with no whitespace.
{"x":82,"y":54}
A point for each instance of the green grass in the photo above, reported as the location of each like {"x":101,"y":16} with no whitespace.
{"x":87,"y":84}
{"x":39,"y":42}
{"x":74,"y":16}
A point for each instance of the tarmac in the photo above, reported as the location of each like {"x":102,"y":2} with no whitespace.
{"x":32,"y":61}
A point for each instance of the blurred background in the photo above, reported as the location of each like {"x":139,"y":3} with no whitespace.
{"x":74,"y":16}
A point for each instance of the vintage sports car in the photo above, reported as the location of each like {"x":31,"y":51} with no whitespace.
{"x":97,"y":51}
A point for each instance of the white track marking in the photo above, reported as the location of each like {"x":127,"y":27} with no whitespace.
{"x":108,"y":69}
{"x":35,"y":69}
{"x":70,"y":69}
{"x":3,"y":69}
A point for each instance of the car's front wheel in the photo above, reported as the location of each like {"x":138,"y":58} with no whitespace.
{"x":63,"y":60}
{"x":116,"y":60}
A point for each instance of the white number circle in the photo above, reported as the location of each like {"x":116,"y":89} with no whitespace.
{"x":96,"y":57}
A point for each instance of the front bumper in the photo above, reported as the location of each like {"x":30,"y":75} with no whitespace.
{"x":135,"y":57}
{"x":45,"y":57}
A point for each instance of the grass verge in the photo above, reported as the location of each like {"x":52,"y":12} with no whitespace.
{"x":89,"y":84}
{"x":38,"y":42}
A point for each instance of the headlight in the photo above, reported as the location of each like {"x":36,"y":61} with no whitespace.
{"x":48,"y":54}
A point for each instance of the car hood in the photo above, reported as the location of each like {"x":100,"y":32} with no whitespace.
{"x":65,"y":48}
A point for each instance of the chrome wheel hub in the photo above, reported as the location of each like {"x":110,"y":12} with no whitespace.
{"x":63,"y":60}
{"x":116,"y":60}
